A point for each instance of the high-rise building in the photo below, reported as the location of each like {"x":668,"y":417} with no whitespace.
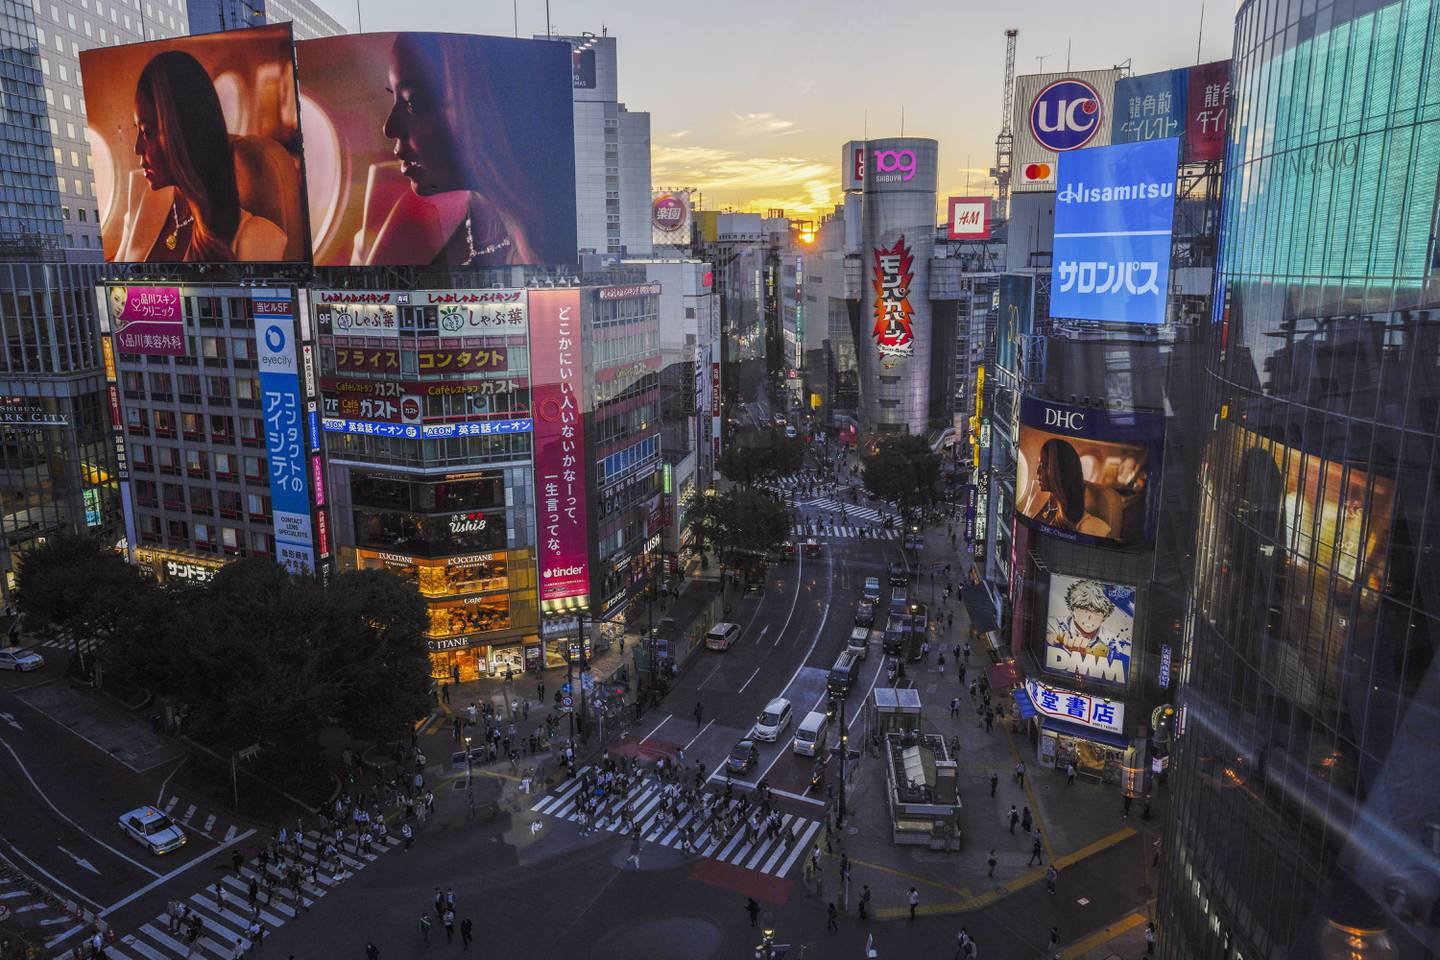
{"x":308,"y":20}
{"x":57,"y":467}
{"x":1304,"y":821}
{"x":612,"y":154}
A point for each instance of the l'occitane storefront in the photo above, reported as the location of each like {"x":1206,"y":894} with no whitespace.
{"x":482,"y":606}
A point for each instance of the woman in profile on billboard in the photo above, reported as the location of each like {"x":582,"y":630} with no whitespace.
{"x":1057,"y":494}
{"x":451,"y":138}
{"x":192,"y":210}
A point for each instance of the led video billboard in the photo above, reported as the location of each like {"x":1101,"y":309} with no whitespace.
{"x":1114,"y":212}
{"x":1089,"y":475}
{"x":438,"y":149}
{"x":195,"y":143}
{"x":1088,"y":629}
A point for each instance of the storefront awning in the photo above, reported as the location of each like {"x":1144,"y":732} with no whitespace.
{"x":1082,"y":732}
{"x":1003,"y":675}
{"x":1022,"y":703}
{"x":977,"y":603}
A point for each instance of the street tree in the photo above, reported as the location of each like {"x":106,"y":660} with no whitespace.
{"x":743,"y":525}
{"x":904,"y":470}
{"x":79,"y":588}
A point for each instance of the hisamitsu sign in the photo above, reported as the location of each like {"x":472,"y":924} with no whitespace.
{"x":1114,"y":213}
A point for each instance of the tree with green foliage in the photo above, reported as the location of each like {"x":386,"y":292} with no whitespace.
{"x":756,"y":456}
{"x":78,"y":588}
{"x":904,"y":470}
{"x":743,"y":525}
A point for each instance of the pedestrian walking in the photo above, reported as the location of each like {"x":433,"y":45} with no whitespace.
{"x":752,"y":908}
{"x":1020,"y":774}
{"x":991,"y":861}
{"x":914,"y":901}
{"x":1035,"y":852}
{"x":1014,"y":817}
{"x":864,"y":909}
{"x":1051,"y":875}
{"x":954,"y":708}
{"x":830,"y":923}
{"x":698,"y":714}
{"x":1054,"y":941}
{"x":994,"y":782}
{"x":425,"y":928}
{"x":407,"y":834}
{"x":372,"y":952}
{"x":989,"y":720}
{"x":449,"y":921}
{"x":1025,"y":819}
{"x":1150,"y":939}
{"x":467,"y":928}
{"x":634,"y":848}
{"x":1070,"y":774}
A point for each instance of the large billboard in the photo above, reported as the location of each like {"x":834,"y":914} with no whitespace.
{"x":438,"y":149}
{"x":1114,"y":212}
{"x":1151,"y":106}
{"x":147,"y":320}
{"x":282,"y":410}
{"x":1088,"y":629}
{"x":1056,"y":113}
{"x":968,"y":219}
{"x":670,"y":219}
{"x":1089,"y":475}
{"x":195,"y":143}
{"x":894,"y":273}
{"x":557,"y":368}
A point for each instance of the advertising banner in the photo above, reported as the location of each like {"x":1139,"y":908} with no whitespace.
{"x":438,"y":149}
{"x":148,"y":320}
{"x":557,"y":368}
{"x":428,"y":431}
{"x":894,"y":273}
{"x":1073,"y":707}
{"x":1114,"y":212}
{"x":1151,"y":107}
{"x":852,"y":165}
{"x":670,"y":219}
{"x":30,"y":411}
{"x":969,"y":218}
{"x":281,"y":407}
{"x":1056,"y":113}
{"x":500,"y":318}
{"x":195,"y":143}
{"x":1089,"y":475}
{"x":359,"y":319}
{"x":1016,"y":321}
{"x":1208,"y":112}
{"x":1088,"y":629}
{"x":350,"y":359}
{"x":476,"y":360}
{"x":385,"y":401}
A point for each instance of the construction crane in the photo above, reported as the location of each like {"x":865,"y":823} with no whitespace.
{"x":1005,"y":142}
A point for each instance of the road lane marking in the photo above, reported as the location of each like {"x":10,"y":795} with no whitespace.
{"x":799,"y":847}
{"x":209,"y":822}
{"x":173,"y":874}
{"x":48,"y":803}
{"x":747,"y":682}
{"x":796,"y":796}
{"x":230,"y":834}
{"x":171,"y":805}
{"x":190,"y":812}
{"x":657,"y":727}
{"x":697,"y":736}
{"x":799,"y":569}
{"x":1093,"y":940}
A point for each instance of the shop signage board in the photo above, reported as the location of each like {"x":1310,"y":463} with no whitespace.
{"x":285,"y":446}
{"x":1084,"y":709}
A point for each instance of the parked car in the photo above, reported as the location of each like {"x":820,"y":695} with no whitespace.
{"x":743,"y":756}
{"x":722,"y":636}
{"x":152,"y":829}
{"x":18,"y":658}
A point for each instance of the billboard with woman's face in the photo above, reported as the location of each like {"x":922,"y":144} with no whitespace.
{"x":196,"y":147}
{"x":1089,"y":475}
{"x":438,"y":149}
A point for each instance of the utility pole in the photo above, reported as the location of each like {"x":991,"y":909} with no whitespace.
{"x":844,"y":759}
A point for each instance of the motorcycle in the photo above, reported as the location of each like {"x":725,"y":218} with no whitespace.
{"x":817,"y":775}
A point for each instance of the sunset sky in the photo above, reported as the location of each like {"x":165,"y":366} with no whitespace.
{"x":750,"y":100}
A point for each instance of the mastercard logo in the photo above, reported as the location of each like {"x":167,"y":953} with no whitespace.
{"x":1038,"y":171}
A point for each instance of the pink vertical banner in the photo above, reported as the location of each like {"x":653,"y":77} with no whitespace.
{"x":557,"y":367}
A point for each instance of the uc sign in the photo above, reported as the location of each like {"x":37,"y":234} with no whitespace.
{"x":1066,"y":115}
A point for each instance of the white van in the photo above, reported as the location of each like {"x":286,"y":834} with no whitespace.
{"x":810,"y":738}
{"x":722,"y":636}
{"x":859,"y":643}
{"x":773,"y":721}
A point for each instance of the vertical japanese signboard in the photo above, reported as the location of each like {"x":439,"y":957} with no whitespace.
{"x":283,"y":412}
{"x":557,"y":365}
{"x":1150,"y":107}
{"x":1209,"y":111}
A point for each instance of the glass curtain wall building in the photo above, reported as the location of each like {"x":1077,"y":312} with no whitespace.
{"x":1304,"y":821}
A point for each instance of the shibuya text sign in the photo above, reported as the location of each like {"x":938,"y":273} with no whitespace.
{"x":1114,"y":213}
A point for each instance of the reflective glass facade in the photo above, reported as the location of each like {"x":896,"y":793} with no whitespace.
{"x":1301,"y":804}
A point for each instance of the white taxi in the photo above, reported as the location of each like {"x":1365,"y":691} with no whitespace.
{"x":18,"y":658}
{"x":151,"y":828}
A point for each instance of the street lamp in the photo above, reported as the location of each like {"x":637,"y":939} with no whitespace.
{"x":844,"y":757}
{"x":468,"y":765}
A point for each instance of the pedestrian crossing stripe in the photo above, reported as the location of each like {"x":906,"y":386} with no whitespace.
{"x":852,"y":511}
{"x":68,"y":646}
{"x":846,"y":532}
{"x":773,"y":856}
{"x":225,"y":922}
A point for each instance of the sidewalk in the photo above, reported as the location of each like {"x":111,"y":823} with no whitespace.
{"x":1076,"y":822}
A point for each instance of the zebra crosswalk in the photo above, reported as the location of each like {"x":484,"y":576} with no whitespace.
{"x":198,"y":819}
{"x":69,"y":646}
{"x":852,"y":511}
{"x":224,"y":912}
{"x":771,"y":854}
{"x":845,"y":532}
